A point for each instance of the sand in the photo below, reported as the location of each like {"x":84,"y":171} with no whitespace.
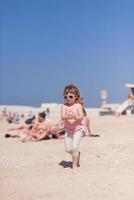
{"x":34,"y":171}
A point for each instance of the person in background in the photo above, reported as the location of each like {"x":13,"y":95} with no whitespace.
{"x":40,"y":129}
{"x":131,"y":96}
{"x":57,"y":130}
{"x":86,"y":121}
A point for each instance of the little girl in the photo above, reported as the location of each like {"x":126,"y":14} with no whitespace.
{"x":72,"y":115}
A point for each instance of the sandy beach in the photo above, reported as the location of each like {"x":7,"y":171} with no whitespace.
{"x":41,"y":170}
{"x":66,"y":67}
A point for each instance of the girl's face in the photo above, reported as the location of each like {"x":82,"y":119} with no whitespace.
{"x":70,"y":98}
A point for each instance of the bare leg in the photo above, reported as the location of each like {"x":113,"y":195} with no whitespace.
{"x":29,"y":137}
{"x":42,"y":136}
{"x":78,"y":164}
{"x":59,"y":136}
{"x":75,"y":162}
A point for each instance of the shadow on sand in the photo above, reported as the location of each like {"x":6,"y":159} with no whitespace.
{"x":66,"y":164}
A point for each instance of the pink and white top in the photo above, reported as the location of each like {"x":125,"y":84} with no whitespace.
{"x":72,"y":116}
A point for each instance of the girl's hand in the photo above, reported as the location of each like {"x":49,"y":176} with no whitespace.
{"x":71,"y":116}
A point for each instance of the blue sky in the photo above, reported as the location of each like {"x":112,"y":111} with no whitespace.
{"x":47,"y":44}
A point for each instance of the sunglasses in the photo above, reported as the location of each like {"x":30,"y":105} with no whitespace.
{"x":69,"y":97}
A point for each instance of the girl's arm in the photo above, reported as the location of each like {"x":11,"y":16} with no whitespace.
{"x":79,"y":114}
{"x":63,"y":113}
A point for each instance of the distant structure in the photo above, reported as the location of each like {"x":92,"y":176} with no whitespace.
{"x":4,"y":112}
{"x":128,"y":105}
{"x":103,"y":95}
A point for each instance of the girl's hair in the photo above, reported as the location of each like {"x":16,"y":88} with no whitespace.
{"x":73,"y":90}
{"x":84,"y":111}
{"x":81,"y":101}
{"x":42,"y":114}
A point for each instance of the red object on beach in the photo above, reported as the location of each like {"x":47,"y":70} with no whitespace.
{"x":21,"y":128}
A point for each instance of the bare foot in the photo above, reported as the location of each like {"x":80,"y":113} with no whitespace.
{"x":75,"y":168}
{"x":25,"y":140}
{"x":78,"y":163}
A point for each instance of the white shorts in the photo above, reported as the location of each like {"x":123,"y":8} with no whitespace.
{"x":72,"y":142}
